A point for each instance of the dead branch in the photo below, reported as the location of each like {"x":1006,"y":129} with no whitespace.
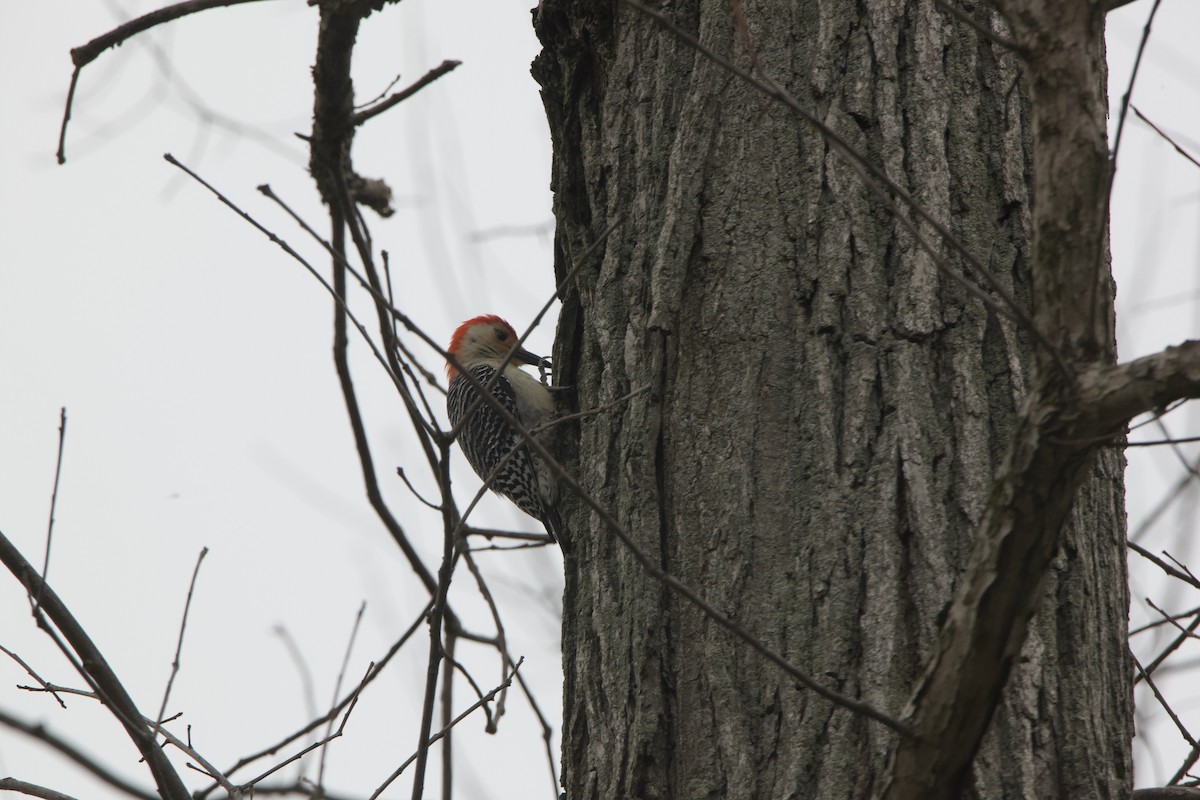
{"x":366,"y":114}
{"x":85,"y":54}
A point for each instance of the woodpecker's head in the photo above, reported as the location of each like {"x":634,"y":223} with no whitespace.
{"x":486,"y":339}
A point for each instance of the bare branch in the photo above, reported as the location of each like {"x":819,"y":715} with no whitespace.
{"x":162,"y":710}
{"x":330,"y":736}
{"x":62,"y":438}
{"x":372,"y":674}
{"x":1109,"y":396}
{"x":1178,"y":147}
{"x":444,"y":68}
{"x":94,"y":668}
{"x":28,"y":669}
{"x":1164,"y":566}
{"x":477,"y":704}
{"x":337,"y":688}
{"x":206,"y":767}
{"x":31,"y":789}
{"x":1183,"y":731}
{"x":1184,"y":635}
{"x":85,"y":54}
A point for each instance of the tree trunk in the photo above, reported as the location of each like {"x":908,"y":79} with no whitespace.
{"x":825,"y":409}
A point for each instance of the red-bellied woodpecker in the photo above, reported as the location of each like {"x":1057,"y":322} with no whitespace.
{"x":495,"y":450}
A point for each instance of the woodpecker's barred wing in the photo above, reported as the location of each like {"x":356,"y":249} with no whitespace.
{"x":487,"y":440}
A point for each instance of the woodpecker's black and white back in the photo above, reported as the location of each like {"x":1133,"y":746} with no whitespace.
{"x":481,"y":345}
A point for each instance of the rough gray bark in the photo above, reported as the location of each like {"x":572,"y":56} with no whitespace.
{"x":827,"y":411}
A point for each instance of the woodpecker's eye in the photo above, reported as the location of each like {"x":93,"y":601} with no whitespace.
{"x":502,"y":334}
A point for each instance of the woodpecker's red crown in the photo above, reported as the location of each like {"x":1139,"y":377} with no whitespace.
{"x":485,"y":338}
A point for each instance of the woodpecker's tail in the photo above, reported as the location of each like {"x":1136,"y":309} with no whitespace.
{"x":554,"y":527}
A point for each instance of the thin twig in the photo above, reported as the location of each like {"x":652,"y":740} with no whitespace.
{"x":590,"y":412}
{"x":1164,"y":566}
{"x":1187,"y":764}
{"x":415,"y":493}
{"x":333,"y":712}
{"x":1178,"y":147}
{"x":28,"y":669}
{"x":287,"y":248}
{"x":62,"y":438}
{"x":481,"y":701}
{"x":444,"y":68}
{"x":1162,"y":701}
{"x":457,"y":666}
{"x":337,"y":687}
{"x":501,"y":636}
{"x":373,"y":493}
{"x":1168,"y":620}
{"x":1159,"y":442}
{"x":1102,"y":262}
{"x":1185,"y":634}
{"x":162,"y":709}
{"x":1175,"y":449}
{"x":330,"y":736}
{"x":54,"y":688}
{"x":379,"y":96}
{"x":187,"y":748}
{"x":1128,"y":96}
{"x":1182,"y":567}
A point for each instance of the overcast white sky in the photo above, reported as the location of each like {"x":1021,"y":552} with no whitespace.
{"x":194,"y":360}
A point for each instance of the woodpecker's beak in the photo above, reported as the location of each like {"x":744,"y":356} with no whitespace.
{"x":523,"y":356}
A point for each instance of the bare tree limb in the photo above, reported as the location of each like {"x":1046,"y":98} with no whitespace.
{"x":85,"y":54}
{"x":1109,"y":396}
{"x":95,"y":669}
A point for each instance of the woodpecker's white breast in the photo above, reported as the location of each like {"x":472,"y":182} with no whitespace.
{"x":535,"y":404}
